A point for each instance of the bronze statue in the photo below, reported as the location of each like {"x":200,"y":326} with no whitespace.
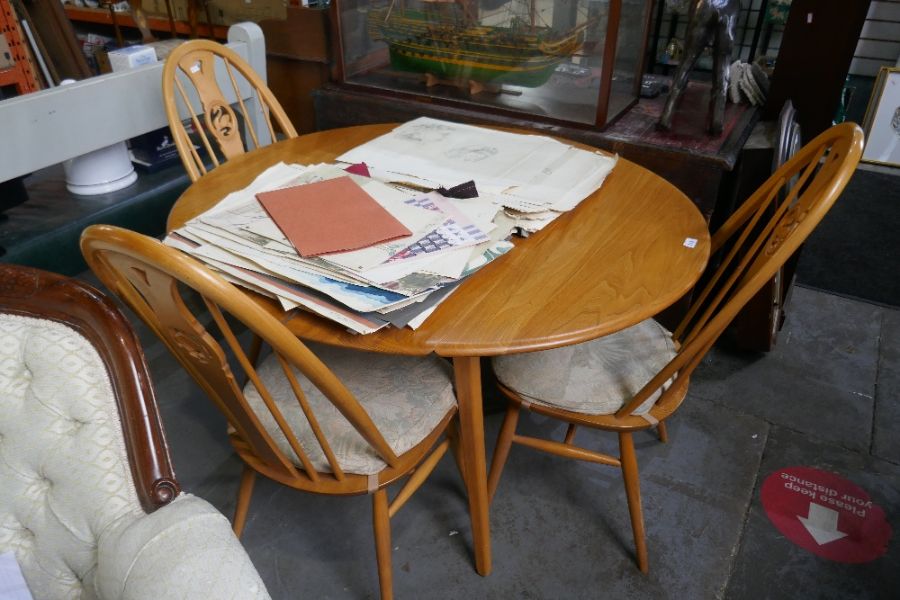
{"x":709,"y":21}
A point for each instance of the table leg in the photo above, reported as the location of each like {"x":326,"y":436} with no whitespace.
{"x":467,"y":371}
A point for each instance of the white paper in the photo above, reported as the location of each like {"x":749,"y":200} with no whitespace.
{"x":450,"y":153}
{"x":529,"y":173}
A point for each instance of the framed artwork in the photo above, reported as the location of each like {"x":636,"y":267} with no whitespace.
{"x":882,"y":122}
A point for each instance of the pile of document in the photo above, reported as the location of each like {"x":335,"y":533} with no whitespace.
{"x":352,"y":245}
{"x":396,"y":282}
{"x":533,"y":178}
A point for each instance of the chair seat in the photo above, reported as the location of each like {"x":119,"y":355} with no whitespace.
{"x":406,"y":397}
{"x":596,"y":377}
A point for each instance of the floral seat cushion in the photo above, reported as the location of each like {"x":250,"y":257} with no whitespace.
{"x":596,"y":377}
{"x":406,"y":397}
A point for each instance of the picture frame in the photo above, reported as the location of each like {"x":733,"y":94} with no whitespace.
{"x":882,"y":121}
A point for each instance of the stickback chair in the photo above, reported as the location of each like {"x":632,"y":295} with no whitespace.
{"x":191,"y":67}
{"x":636,"y":378}
{"x":335,"y":422}
{"x":89,"y":503}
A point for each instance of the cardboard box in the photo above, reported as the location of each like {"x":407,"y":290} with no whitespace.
{"x":157,"y":8}
{"x":101,"y":58}
{"x":222,"y":12}
{"x":228,"y":12}
{"x":131,"y":57}
{"x":154,"y":150}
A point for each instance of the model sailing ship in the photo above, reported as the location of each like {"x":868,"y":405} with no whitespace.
{"x":444,"y":38}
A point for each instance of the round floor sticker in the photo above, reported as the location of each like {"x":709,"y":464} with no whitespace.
{"x":825,"y":514}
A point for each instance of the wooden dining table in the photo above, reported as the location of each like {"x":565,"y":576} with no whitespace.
{"x":624,"y":254}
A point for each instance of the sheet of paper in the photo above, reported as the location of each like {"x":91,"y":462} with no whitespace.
{"x":278,"y":175}
{"x":408,"y":284}
{"x":357,"y":296}
{"x":351,"y":320}
{"x":335,"y":215}
{"x":12,"y":583}
{"x":453,"y":230}
{"x":528,"y":173}
{"x":449,"y":153}
{"x":448,"y":264}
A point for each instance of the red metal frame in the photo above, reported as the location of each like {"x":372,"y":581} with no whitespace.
{"x":19,"y":74}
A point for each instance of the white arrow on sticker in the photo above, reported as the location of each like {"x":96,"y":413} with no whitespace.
{"x":822,"y":524}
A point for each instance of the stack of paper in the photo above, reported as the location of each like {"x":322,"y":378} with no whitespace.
{"x":319,"y":238}
{"x":366,"y":252}
{"x":535,"y":178}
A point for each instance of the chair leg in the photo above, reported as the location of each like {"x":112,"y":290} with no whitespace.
{"x":633,"y":492}
{"x":570,"y":433}
{"x":501,"y":450}
{"x":662,"y":432}
{"x":382,"y":523}
{"x":248,"y":478}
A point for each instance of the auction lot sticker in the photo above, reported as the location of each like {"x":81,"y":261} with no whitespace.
{"x":826,"y":514}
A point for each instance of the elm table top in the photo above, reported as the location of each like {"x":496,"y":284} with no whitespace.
{"x":618,"y":258}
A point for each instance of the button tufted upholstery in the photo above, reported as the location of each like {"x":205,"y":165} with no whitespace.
{"x":69,"y":508}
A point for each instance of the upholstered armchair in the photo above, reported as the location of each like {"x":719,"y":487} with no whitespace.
{"x":89,"y":503}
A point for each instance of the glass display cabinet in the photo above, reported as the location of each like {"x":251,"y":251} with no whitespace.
{"x":571,"y":61}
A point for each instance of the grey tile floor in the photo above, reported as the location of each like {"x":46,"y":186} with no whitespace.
{"x":827,"y":398}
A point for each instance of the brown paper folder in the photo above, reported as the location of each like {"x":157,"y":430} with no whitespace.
{"x":334,"y":215}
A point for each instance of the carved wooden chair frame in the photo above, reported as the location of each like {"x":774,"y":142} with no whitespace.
{"x":748,"y":250}
{"x":149,"y":277}
{"x":196,"y":62}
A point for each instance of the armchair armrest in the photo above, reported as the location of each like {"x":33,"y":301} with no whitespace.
{"x":185,"y":549}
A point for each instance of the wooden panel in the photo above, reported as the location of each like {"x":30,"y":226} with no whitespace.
{"x":292,"y":82}
{"x":814,"y":59}
{"x":301,"y":36}
{"x":298,"y":51}
{"x":49,"y":20}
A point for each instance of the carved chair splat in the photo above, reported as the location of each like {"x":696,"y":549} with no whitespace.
{"x":192,"y":75}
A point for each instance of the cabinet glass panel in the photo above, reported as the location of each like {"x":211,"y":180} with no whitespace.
{"x":539,"y":57}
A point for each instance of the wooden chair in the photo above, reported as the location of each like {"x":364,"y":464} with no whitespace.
{"x":89,"y":503}
{"x":189,"y":74}
{"x":335,"y":422}
{"x":635,"y":379}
